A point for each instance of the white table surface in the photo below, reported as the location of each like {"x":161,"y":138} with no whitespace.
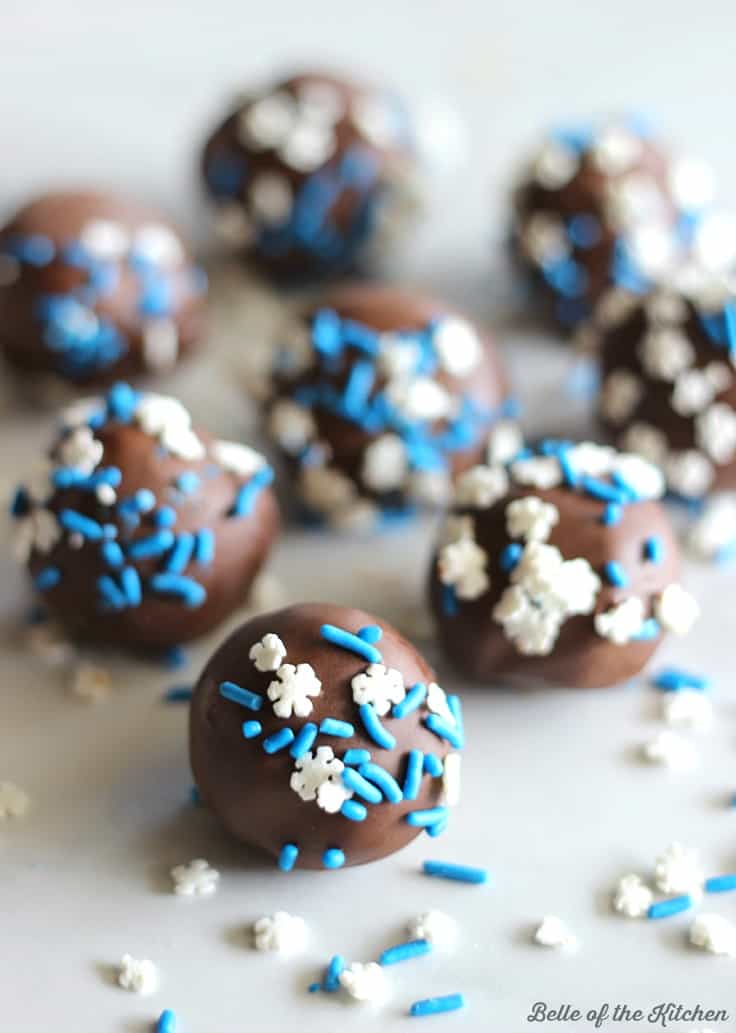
{"x":556,"y":803}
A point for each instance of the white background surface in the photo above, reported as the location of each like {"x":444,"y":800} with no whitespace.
{"x":556,"y":803}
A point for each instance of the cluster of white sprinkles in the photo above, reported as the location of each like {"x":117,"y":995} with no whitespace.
{"x":130,"y":530}
{"x":350,"y":784}
{"x":685,"y":706}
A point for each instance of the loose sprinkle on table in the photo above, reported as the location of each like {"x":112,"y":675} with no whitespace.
{"x":404,"y":952}
{"x":455,"y":872}
{"x":437,"y":1005}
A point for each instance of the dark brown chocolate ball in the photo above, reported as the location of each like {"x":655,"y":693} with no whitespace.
{"x":139,"y":529}
{"x":602,"y":205}
{"x":319,"y":735}
{"x":375,"y":397}
{"x":668,"y":388}
{"x":310,"y":174}
{"x":560,"y":568}
{"x":94,"y":286}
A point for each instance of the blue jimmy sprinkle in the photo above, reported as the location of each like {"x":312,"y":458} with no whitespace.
{"x":612,"y":514}
{"x":425,"y":817}
{"x":413,"y":775}
{"x":673,"y":906}
{"x":438,"y":827}
{"x":371,"y":634}
{"x":112,"y":554}
{"x":144,"y":500}
{"x":111,"y":595}
{"x":720,"y":884}
{"x":510,"y":556}
{"x":180,"y":555}
{"x":314,"y":988}
{"x":178,"y":694}
{"x":77,"y":523}
{"x":287,"y":856}
{"x":568,"y":471}
{"x":333,"y":858}
{"x":650,"y":629}
{"x":340,"y":729}
{"x":450,"y":606}
{"x":237,"y":694}
{"x":353,"y":643}
{"x":204,"y":546}
{"x":165,"y":516}
{"x":48,"y":578}
{"x":374,"y":728}
{"x":154,"y":545}
{"x":190,"y":592}
{"x":278,"y":741}
{"x":174,"y":657}
{"x":356,"y":756}
{"x":354,"y":811}
{"x":122,"y":402}
{"x":413,"y":699}
{"x":251,"y":729}
{"x":603,"y":491}
{"x":167,"y":1022}
{"x":615,"y":574}
{"x":304,"y":740}
{"x":332,"y":977}
{"x":131,"y":585}
{"x":404,"y":952}
{"x":437,"y":1005}
{"x":443,"y":730}
{"x":355,"y":781}
{"x":654,"y":549}
{"x":455,"y":872}
{"x":381,"y":778}
{"x":673,"y":679}
{"x":432,"y":765}
{"x":248,"y":493}
{"x":187,"y":482}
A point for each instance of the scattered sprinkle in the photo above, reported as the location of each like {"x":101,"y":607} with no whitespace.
{"x":14,"y":802}
{"x":437,"y":1005}
{"x":196,"y":879}
{"x":554,"y":933}
{"x":140,"y":977}
{"x":91,"y":683}
{"x":455,"y":872}
{"x":364,"y":982}
{"x":632,"y":897}
{"x":281,"y":933}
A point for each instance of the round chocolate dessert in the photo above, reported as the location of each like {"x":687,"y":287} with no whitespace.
{"x":319,"y":735}
{"x":375,"y":398}
{"x":559,"y":568}
{"x":140,"y":529}
{"x":668,"y":380}
{"x":95,"y":286}
{"x":310,"y":174}
{"x":599,"y":205}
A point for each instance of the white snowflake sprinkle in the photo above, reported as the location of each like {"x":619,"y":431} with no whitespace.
{"x":555,"y":165}
{"x":313,"y":771}
{"x":715,"y":934}
{"x":169,"y":421}
{"x":436,"y":927}
{"x":645,"y":440}
{"x":670,"y":750}
{"x":105,"y":239}
{"x":537,"y":471}
{"x":91,"y":683}
{"x":281,"y":933}
{"x":715,"y":528}
{"x":504,"y":442}
{"x":159,"y":245}
{"x":270,"y":197}
{"x":269,"y":653}
{"x":462,"y":564}
{"x":378,"y":686}
{"x":693,"y":392}
{"x":665,"y":352}
{"x":676,"y":610}
{"x":237,"y":459}
{"x":268,"y":120}
{"x":679,"y":870}
{"x":689,"y":473}
{"x":436,"y":701}
{"x":430,"y":487}
{"x":622,"y":622}
{"x":364,"y":982}
{"x":457,"y":345}
{"x":40,"y":530}
{"x":644,"y":477}
{"x":632,"y":897}
{"x":420,"y":398}
{"x":715,"y":432}
{"x":81,"y":450}
{"x":14,"y":802}
{"x":385,"y":463}
{"x":531,"y":519}
{"x":451,"y":779}
{"x":592,"y":459}
{"x":291,"y":690}
{"x":160,"y":343}
{"x":291,"y":425}
{"x":687,"y":709}
{"x":325,"y":489}
{"x":554,"y":933}
{"x":140,"y":977}
{"x":481,"y":486}
{"x":196,"y":879}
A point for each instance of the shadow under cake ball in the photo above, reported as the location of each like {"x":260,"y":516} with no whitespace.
{"x":94,"y":286}
{"x":668,"y":387}
{"x":559,"y":568}
{"x":375,"y":398}
{"x":319,"y":735}
{"x":139,"y":528}
{"x":602,"y":204}
{"x":311,"y":174}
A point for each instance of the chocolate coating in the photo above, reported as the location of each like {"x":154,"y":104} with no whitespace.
{"x":376,"y":396}
{"x":95,"y":286}
{"x":181,"y":498}
{"x":250,"y":790}
{"x":311,"y":173}
{"x":497,"y":614}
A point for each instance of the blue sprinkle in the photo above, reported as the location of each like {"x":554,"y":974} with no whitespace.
{"x":353,"y":811}
{"x":441,"y":729}
{"x":174,"y":657}
{"x":353,"y":779}
{"x":413,"y":776}
{"x":720,"y":884}
{"x":248,"y":493}
{"x":278,"y":741}
{"x":450,"y":606}
{"x":404,"y":952}
{"x":358,"y":388}
{"x":48,"y":578}
{"x":251,"y":729}
{"x":164,"y":517}
{"x":603,"y":491}
{"x":371,"y":634}
{"x":167,"y":1022}
{"x":654,"y":549}
{"x":326,"y":335}
{"x":438,"y":827}
{"x":204,"y":547}
{"x":314,"y":988}
{"x":190,"y":592}
{"x":611,"y":514}
{"x":413,"y":699}
{"x":20,"y":504}
{"x":340,"y":729}
{"x":356,"y":756}
{"x":649,"y":630}
{"x":332,"y":978}
{"x":112,"y":554}
{"x":304,"y":740}
{"x":620,"y":481}
{"x":178,"y":694}
{"x":154,"y":545}
{"x":423,"y":818}
{"x":437,"y":1005}
{"x":673,"y":906}
{"x":568,"y":473}
{"x":112,"y":597}
{"x":347,"y":640}
{"x":187,"y":482}
{"x":584,"y":230}
{"x":287,"y":857}
{"x":374,"y":728}
{"x":77,"y":523}
{"x":181,"y":554}
{"x":237,"y":694}
{"x":131,"y":585}
{"x":432,"y":765}
{"x":144,"y":500}
{"x":36,"y":249}
{"x":456,"y":709}
{"x":385,"y":782}
{"x":510,"y":556}
{"x":122,"y":402}
{"x":615,"y":574}
{"x":456,"y":872}
{"x":333,"y":858}
{"x":672,"y":679}
{"x":194,"y":796}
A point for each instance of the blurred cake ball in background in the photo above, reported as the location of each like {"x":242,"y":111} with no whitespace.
{"x":599,"y":205}
{"x":313,"y":175}
{"x":376,"y":397}
{"x":94,"y":286}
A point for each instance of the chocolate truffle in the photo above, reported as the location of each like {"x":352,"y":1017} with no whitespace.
{"x":95,"y":286}
{"x":140,"y":529}
{"x":668,"y":380}
{"x":375,"y":397}
{"x":311,"y":173}
{"x":319,"y":735}
{"x":600,"y":205}
{"x":559,"y":568}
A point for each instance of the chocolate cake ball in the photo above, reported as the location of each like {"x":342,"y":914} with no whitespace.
{"x":311,"y":173}
{"x":559,"y":568}
{"x":140,"y":529}
{"x":375,"y":397}
{"x":599,"y":205}
{"x":669,"y":379}
{"x":95,"y":286}
{"x":319,"y":735}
